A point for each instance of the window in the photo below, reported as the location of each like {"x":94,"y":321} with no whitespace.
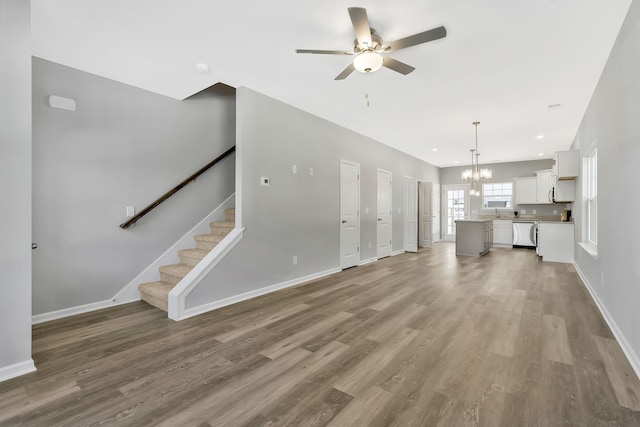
{"x":497,"y":195}
{"x":591,"y":200}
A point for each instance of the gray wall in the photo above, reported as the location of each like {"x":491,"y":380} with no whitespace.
{"x":504,"y":172}
{"x":611,"y":124}
{"x":15,"y":183}
{"x":300,"y":214}
{"x":122,"y":146}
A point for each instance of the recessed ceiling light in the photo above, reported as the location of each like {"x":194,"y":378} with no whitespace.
{"x":540,"y":154}
{"x":455,"y":162}
{"x":434,"y":149}
{"x":202,"y":68}
{"x":540,"y":136}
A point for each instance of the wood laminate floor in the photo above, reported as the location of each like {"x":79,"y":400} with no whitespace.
{"x":427,"y":339}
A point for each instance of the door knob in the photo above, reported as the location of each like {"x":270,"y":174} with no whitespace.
{"x":34,"y":246}
{"x":379,"y":219}
{"x":344,"y":221}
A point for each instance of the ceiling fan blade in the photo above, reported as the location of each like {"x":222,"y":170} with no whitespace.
{"x":360,"y":23}
{"x":345,"y":73}
{"x":325,"y":52}
{"x":398,"y":66}
{"x":424,"y":37}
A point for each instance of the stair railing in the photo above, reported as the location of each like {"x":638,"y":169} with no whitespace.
{"x":177,"y":188}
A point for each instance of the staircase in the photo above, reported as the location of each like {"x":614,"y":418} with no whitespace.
{"x":157,"y":293}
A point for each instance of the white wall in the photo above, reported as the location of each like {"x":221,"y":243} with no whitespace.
{"x":611,"y":123}
{"x":15,"y":188}
{"x":299,"y":214}
{"x":123,"y":146}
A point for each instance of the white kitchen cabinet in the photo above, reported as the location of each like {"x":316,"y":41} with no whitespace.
{"x":544,"y":184}
{"x":567,"y":164}
{"x":503,"y":232}
{"x":556,"y":241}
{"x":526,"y":191}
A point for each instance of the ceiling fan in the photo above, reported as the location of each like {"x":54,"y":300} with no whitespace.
{"x":369,"y":47}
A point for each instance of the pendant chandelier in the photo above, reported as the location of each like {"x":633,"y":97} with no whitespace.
{"x":474,"y":174}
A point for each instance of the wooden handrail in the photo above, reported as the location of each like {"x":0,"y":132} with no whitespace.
{"x":177,"y":188}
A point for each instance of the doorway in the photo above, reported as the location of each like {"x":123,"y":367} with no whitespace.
{"x":455,"y":206}
{"x":349,"y":214}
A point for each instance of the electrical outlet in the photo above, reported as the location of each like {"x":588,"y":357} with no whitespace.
{"x":295,"y":260}
{"x":399,"y":210}
{"x":131,"y":211}
{"x":366,"y":210}
{"x":533,"y":211}
{"x":523,"y":211}
{"x":555,"y":211}
{"x":311,"y":171}
{"x":294,"y":168}
{"x":369,"y":245}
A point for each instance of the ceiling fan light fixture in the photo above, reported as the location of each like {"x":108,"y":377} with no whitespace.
{"x":368,"y":61}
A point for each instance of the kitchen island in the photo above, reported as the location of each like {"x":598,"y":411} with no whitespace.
{"x":474,"y":237}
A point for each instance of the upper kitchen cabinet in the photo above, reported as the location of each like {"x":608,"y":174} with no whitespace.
{"x":544,"y":186}
{"x":526,"y":190}
{"x":567,"y":164}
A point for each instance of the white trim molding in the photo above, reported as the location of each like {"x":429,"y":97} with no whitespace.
{"x":16,"y":370}
{"x":367,"y":261}
{"x":72,"y":311}
{"x":194,"y":311}
{"x":632,"y":357}
{"x":398,"y":252}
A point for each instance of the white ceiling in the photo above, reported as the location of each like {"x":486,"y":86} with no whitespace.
{"x":502,"y":63}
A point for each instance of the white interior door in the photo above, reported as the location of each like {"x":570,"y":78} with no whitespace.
{"x":435,"y":197}
{"x":425,"y":227}
{"x":384,"y":211}
{"x":349,"y":214}
{"x":410,"y":214}
{"x":455,"y":206}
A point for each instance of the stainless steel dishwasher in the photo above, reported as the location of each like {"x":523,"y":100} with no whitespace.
{"x":525,"y":234}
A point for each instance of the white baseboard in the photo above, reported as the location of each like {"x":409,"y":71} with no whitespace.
{"x":17,"y":369}
{"x":194,"y":311}
{"x":367,"y":261}
{"x":399,"y":252}
{"x":71,"y":311}
{"x":632,"y":357}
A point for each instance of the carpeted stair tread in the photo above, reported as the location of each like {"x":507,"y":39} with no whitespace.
{"x":225,"y":224}
{"x":208,"y":238}
{"x":156,"y":293}
{"x":192,"y":257}
{"x":193,"y":253}
{"x":176,"y":270}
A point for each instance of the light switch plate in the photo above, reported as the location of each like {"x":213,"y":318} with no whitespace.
{"x":131,"y":211}
{"x":366,"y":211}
{"x":294,"y":168}
{"x":534,"y":211}
{"x":310,"y":171}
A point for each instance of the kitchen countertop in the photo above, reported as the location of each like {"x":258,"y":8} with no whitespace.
{"x":474,"y":220}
